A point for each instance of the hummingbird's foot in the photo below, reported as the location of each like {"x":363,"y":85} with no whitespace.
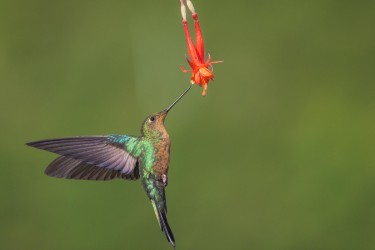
{"x":164,"y":178}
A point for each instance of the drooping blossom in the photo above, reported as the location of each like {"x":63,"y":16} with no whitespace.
{"x":201,"y":66}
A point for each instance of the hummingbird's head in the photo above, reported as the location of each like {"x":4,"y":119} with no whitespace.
{"x":153,"y":126}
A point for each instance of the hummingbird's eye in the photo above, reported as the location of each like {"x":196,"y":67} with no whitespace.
{"x":152,"y":118}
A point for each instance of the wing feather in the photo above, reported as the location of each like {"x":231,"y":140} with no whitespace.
{"x":90,"y":157}
{"x":68,"y":168}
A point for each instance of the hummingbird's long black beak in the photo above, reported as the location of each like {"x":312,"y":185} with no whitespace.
{"x":174,"y":103}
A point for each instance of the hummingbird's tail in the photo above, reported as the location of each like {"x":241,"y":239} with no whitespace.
{"x":163,"y":222}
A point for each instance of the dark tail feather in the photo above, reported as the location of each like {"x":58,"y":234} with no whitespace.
{"x":163,"y":222}
{"x":165,"y":227}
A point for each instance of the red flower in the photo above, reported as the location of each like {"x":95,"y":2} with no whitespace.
{"x":201,"y":68}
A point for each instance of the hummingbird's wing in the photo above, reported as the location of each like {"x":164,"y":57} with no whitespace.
{"x":69,"y":168}
{"x":106,"y":156}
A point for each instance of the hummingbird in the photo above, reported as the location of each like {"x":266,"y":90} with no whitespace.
{"x":144,"y":157}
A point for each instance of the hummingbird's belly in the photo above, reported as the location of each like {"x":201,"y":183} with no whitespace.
{"x":162,"y":160}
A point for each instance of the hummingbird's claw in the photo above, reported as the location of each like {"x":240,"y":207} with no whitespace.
{"x":164,"y":178}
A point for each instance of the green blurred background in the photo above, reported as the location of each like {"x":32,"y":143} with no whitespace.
{"x":279,"y":155}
